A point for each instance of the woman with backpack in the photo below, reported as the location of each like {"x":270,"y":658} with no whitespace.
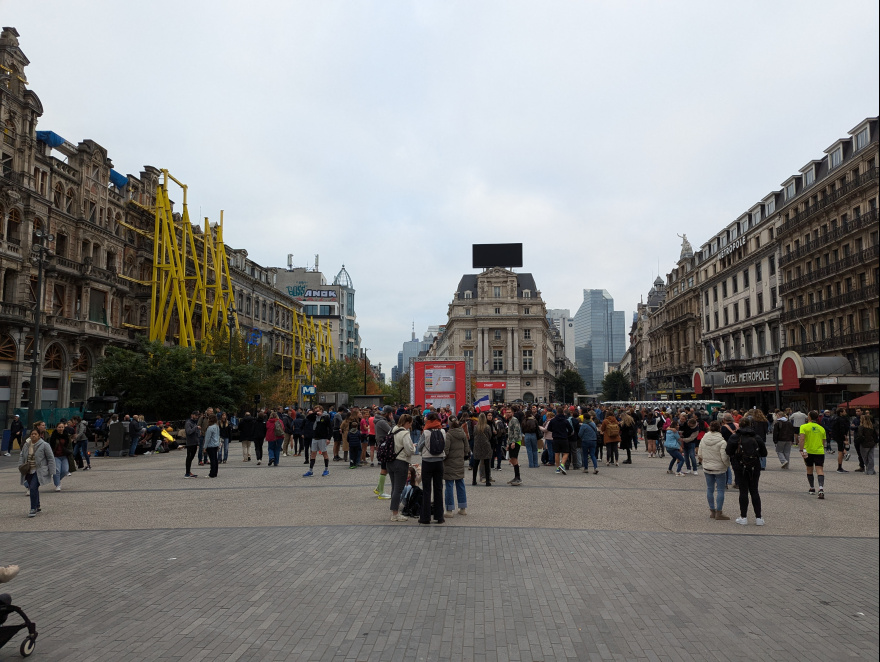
{"x":629,"y":435}
{"x":610,"y":430}
{"x":457,"y":452}
{"x":274,"y":437}
{"x":530,"y":438}
{"x":761,"y":426}
{"x":712,"y":453}
{"x":652,"y":432}
{"x":483,"y":449}
{"x":746,"y":449}
{"x":866,"y":438}
{"x":673,"y":447}
{"x":351,"y":432}
{"x":399,"y":466}
{"x":432,"y":448}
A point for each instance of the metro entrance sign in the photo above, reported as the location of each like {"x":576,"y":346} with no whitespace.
{"x":492,"y":386}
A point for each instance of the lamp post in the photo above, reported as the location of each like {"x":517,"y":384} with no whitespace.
{"x":365,"y":350}
{"x":230,"y":320}
{"x":41,"y":252}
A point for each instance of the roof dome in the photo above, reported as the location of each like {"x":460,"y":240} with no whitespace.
{"x":658,"y":282}
{"x":343,"y":279}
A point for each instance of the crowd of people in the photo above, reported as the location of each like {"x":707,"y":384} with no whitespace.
{"x":730,"y":447}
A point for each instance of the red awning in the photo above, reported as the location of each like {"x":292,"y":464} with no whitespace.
{"x":867,"y":400}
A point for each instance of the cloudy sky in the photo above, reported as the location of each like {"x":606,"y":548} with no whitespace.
{"x":390,"y":135}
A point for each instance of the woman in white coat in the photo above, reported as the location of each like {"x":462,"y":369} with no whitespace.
{"x":713,"y":455}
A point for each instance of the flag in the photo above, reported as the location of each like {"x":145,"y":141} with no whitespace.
{"x":714,"y":352}
{"x":482,"y":404}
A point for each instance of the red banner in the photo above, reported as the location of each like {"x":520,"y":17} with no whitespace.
{"x":439,"y":384}
{"x":498,"y":386}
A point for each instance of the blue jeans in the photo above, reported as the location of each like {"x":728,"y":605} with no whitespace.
{"x":275,"y":451}
{"x":202,"y":454}
{"x":531,"y":442}
{"x":588,"y":450}
{"x":134,"y":445}
{"x":34,"y":486}
{"x":690,"y":455}
{"x":223,"y":454}
{"x":715,"y":489}
{"x":62,"y":468}
{"x":675,"y":454}
{"x":82,"y":449}
{"x":551,"y":456}
{"x":354,"y":453}
{"x":459,"y":494}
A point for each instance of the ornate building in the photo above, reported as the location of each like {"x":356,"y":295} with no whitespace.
{"x":498,"y":323}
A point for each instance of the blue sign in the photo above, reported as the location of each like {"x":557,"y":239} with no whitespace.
{"x":254,"y":337}
{"x":309,"y":390}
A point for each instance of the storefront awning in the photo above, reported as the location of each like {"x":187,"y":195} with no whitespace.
{"x":870,"y":400}
{"x":793,"y":368}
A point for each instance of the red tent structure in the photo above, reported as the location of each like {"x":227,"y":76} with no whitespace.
{"x":870,"y":400}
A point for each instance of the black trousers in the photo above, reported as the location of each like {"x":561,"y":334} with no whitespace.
{"x":190,"y":455}
{"x":258,"y":449}
{"x":747,"y":480}
{"x":487,"y":470}
{"x":432,"y":485}
{"x":212,"y":456}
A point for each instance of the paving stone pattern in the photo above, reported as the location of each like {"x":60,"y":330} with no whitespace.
{"x":395,"y":593}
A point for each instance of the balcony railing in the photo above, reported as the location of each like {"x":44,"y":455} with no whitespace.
{"x":812,"y":247}
{"x":853,"y":296}
{"x":832,"y":269}
{"x":856,"y":182}
{"x":847,"y":341}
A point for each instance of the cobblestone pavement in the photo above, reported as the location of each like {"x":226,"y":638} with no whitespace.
{"x":132,"y":562}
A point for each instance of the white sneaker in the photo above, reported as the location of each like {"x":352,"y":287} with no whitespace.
{"x":696,"y":473}
{"x":7,"y":454}
{"x":759,"y":521}
{"x":384,"y":496}
{"x":399,"y":518}
{"x":450,"y":514}
{"x":58,"y":488}
{"x":679,"y":474}
{"x":742,"y":520}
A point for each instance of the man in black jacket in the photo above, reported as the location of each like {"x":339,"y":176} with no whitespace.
{"x":560,"y":429}
{"x":245,"y":435}
{"x":745,"y":449}
{"x":840,"y":434}
{"x":323,"y":433}
{"x":193,"y":434}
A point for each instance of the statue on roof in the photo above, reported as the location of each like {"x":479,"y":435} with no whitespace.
{"x":687,"y":251}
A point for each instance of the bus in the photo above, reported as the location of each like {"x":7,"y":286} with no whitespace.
{"x":709,"y":405}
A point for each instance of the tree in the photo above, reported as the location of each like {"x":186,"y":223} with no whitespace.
{"x":398,"y":391}
{"x":568,"y":383}
{"x":616,"y":386}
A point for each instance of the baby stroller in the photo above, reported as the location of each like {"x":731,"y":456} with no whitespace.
{"x":7,"y":632}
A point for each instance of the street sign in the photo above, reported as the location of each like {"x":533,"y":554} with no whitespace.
{"x":309,"y":390}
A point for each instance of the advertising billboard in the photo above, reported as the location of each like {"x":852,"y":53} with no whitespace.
{"x":438,"y":384}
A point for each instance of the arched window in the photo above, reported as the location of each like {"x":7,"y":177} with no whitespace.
{"x":38,"y":225}
{"x":82,"y":363}
{"x":54,"y":358}
{"x":58,"y":196}
{"x":68,"y":201}
{"x":13,"y":227}
{"x":7,"y":348}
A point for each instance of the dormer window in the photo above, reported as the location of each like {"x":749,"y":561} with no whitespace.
{"x":468,"y":294}
{"x":527,"y":294}
{"x":810,"y":177}
{"x":789,"y":191}
{"x":862,"y":138}
{"x":835,"y":158}
{"x":771,"y":206}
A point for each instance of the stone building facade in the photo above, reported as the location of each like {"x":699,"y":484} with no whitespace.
{"x":498,"y":322}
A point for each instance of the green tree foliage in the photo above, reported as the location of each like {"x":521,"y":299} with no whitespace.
{"x":616,"y":386}
{"x":397,"y":391}
{"x":169,"y":382}
{"x":346,"y":376}
{"x":568,"y":383}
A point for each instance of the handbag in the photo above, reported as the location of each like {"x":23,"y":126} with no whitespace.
{"x":24,"y":469}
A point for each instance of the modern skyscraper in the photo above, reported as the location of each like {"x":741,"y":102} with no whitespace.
{"x":563,"y":321}
{"x":599,"y":337}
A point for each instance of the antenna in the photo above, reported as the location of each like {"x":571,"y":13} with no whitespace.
{"x":316,"y":261}
{"x":290,"y":261}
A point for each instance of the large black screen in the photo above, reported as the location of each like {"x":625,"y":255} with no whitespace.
{"x":497,"y":255}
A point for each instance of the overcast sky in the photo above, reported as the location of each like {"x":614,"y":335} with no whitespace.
{"x":390,"y":136}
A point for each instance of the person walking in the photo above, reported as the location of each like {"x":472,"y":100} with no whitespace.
{"x":530,"y":439}
{"x":745,"y":449}
{"x":399,"y":466}
{"x":839,"y":426}
{"x":212,"y":444}
{"x":629,"y":436}
{"x":866,"y":440}
{"x":193,"y":434}
{"x":482,"y":449}
{"x":322,"y":433}
{"x":811,"y":444}
{"x":37,"y":455}
{"x":259,"y":435}
{"x":274,"y":438}
{"x":225,"y":437}
{"x":589,"y":437}
{"x":81,"y":442}
{"x":457,"y":452}
{"x":245,"y":435}
{"x":610,"y":430}
{"x":783,"y":437}
{"x":382,"y":426}
{"x":432,"y":448}
{"x":514,"y":443}
{"x":652,"y":425}
{"x":560,"y":429}
{"x":16,"y":430}
{"x":689,"y":431}
{"x":712,"y":454}
{"x":673,"y":447}
{"x":59,"y":440}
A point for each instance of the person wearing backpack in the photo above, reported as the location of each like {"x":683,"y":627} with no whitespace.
{"x":287,"y":422}
{"x":350,"y":431}
{"x":399,"y":466}
{"x":588,"y":434}
{"x":712,"y":453}
{"x":274,"y":437}
{"x":745,"y":449}
{"x":457,"y":451}
{"x":652,"y":433}
{"x":575,"y":456}
{"x":610,"y":429}
{"x":783,"y":437}
{"x":866,"y":439}
{"x":382,"y":425}
{"x":432,"y":448}
{"x":629,"y":435}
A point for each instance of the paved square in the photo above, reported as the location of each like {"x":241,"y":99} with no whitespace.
{"x":132,"y":562}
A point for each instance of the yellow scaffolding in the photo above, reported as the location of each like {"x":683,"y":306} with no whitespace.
{"x":192,"y":288}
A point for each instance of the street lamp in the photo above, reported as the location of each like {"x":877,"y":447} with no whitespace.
{"x":41,"y":254}
{"x":365,"y":350}
{"x":230,"y":320}
{"x":312,"y":348}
